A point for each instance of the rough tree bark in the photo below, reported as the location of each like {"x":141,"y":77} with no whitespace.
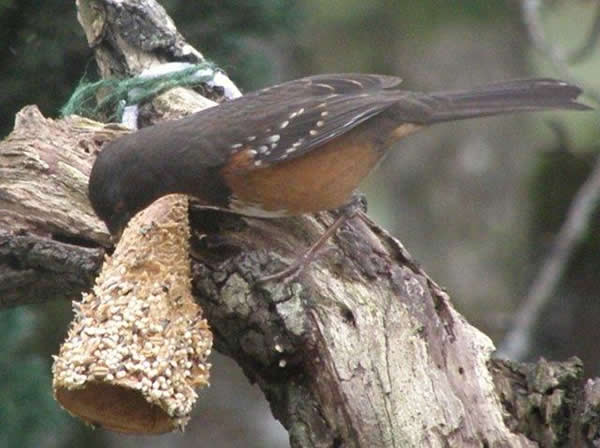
{"x":363,"y":350}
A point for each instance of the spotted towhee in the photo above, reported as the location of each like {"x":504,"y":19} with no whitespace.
{"x":298,"y":147}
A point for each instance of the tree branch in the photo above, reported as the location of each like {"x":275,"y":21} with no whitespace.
{"x":517,"y":342}
{"x":36,"y":269}
{"x":363,"y":350}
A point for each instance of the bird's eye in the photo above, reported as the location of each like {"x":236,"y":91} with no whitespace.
{"x":119,"y":207}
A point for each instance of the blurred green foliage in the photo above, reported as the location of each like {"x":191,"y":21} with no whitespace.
{"x":28,"y":415}
{"x":558,"y":176}
{"x":236,"y":35}
{"x":569,"y":326}
{"x":44,"y":54}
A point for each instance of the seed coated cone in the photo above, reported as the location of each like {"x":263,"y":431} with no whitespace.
{"x":138,"y":345}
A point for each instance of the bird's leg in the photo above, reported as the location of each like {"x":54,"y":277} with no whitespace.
{"x":356,"y":204}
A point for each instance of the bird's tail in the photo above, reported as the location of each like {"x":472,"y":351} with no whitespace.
{"x":505,"y":97}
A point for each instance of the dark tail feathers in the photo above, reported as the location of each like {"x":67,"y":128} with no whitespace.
{"x":505,"y":97}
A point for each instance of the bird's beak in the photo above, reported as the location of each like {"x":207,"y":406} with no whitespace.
{"x":116,"y":231}
{"x":115,"y":237}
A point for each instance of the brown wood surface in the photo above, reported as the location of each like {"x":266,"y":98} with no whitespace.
{"x":363,"y":350}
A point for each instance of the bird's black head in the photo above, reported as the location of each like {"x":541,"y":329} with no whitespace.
{"x":119,"y":187}
{"x":107,"y":199}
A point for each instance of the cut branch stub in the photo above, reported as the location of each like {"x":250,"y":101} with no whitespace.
{"x":138,"y":346}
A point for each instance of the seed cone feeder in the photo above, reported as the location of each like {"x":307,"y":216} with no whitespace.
{"x":137,"y":347}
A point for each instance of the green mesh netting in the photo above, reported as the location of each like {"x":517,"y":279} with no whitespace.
{"x":106,"y":99}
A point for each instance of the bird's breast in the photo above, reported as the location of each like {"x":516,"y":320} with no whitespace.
{"x":322,"y":179}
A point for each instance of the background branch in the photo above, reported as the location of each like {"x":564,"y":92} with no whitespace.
{"x":591,"y":42}
{"x":517,"y":342}
{"x":531,"y":11}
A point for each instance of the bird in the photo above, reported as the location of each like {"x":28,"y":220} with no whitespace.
{"x":295,"y":148}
